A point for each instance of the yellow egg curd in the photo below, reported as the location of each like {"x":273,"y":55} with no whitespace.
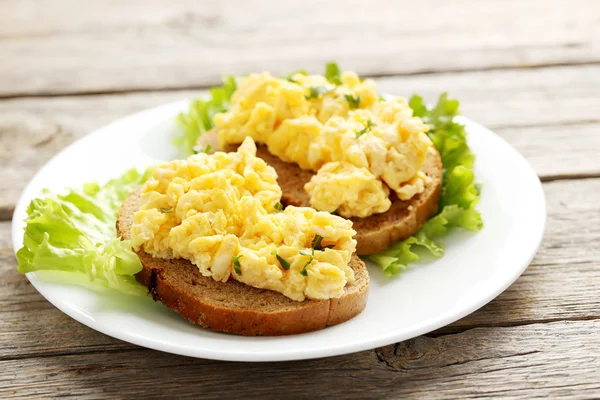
{"x":220,"y":212}
{"x":359,"y":144}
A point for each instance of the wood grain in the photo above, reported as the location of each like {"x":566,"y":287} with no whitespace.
{"x":568,"y":259}
{"x":28,"y":321}
{"x":5,"y":239}
{"x":141,"y":45}
{"x":532,"y":109}
{"x":545,"y":360}
{"x":527,"y":69}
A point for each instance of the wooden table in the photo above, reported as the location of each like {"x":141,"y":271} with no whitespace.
{"x":530,"y":70}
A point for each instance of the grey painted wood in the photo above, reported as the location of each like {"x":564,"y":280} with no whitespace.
{"x":140,"y":45}
{"x":556,"y":360}
{"x":527,"y":69}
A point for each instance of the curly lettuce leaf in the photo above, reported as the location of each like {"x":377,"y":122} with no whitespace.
{"x":200,"y":116}
{"x":333,"y":73}
{"x":459,"y":194}
{"x":75,"y":234}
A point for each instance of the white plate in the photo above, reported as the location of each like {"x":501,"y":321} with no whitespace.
{"x":433,"y":293}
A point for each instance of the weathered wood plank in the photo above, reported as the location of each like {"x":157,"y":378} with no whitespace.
{"x":29,"y":323}
{"x":129,"y":45}
{"x":5,"y":239}
{"x":573,"y":224}
{"x":563,"y":280}
{"x":41,"y":127}
{"x":562,"y":283}
{"x":516,"y":103}
{"x":513,"y":98}
{"x":558,"y":151}
{"x":553,"y":360}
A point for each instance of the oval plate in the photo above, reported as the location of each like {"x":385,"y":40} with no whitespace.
{"x":434,"y":292}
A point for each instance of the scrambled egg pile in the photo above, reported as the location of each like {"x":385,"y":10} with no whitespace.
{"x":360,"y":145}
{"x":219,"y":212}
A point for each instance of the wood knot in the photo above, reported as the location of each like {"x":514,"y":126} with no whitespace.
{"x":410,"y":354}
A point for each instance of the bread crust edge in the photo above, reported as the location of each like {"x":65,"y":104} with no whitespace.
{"x":313,"y":315}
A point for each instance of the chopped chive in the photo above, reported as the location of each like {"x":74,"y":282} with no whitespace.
{"x":284,"y":264}
{"x":316,"y":243}
{"x":166,"y":210}
{"x":316,"y":91}
{"x":311,"y":254}
{"x":289,"y":77}
{"x":366,"y":129}
{"x":206,"y":149}
{"x":236,"y":264}
{"x":353,"y":102}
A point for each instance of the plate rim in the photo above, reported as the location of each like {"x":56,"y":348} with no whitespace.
{"x":448,"y":317}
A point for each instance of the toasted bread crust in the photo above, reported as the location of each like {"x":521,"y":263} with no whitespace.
{"x":234,"y":307}
{"x":374,"y":233}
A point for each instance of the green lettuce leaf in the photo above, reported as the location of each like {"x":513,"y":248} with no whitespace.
{"x":75,"y":234}
{"x":199,"y":117}
{"x":333,"y":73}
{"x":459,"y":193}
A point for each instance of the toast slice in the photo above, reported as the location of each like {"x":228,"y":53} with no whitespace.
{"x":374,"y":233}
{"x":234,"y":307}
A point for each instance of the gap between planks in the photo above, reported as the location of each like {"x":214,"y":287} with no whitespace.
{"x":174,"y":88}
{"x":187,"y":44}
{"x":521,"y":361}
{"x":566,"y":177}
{"x":450,"y":330}
{"x":456,"y":329}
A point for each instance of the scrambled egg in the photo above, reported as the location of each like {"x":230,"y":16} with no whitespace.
{"x":218,"y":211}
{"x":360,"y":145}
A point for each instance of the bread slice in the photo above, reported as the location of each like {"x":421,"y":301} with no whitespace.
{"x":235,"y":307}
{"x":374,"y":233}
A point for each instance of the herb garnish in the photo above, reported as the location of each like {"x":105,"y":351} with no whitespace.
{"x":278,"y":206}
{"x":166,"y":210}
{"x":284,"y":264}
{"x":353,"y":102}
{"x":316,"y":91}
{"x":236,"y":264}
{"x":311,"y":254}
{"x":205,"y":151}
{"x":366,"y":129}
{"x":289,"y":77}
{"x":316,"y":243}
